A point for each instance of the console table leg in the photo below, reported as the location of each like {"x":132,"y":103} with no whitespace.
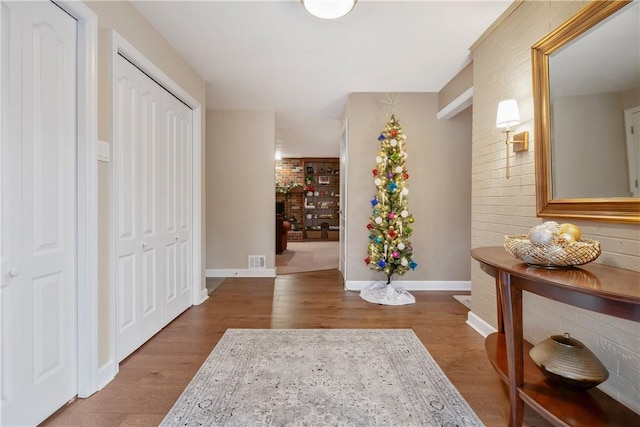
{"x":512,"y":310}
{"x":500,"y":316}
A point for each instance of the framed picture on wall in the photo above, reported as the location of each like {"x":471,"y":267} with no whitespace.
{"x":323,"y":180}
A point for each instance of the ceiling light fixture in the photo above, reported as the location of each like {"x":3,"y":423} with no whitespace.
{"x":328,"y":9}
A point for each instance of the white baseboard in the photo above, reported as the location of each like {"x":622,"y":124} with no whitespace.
{"x":479,"y":325}
{"x":204,"y":295}
{"x":228,"y":272}
{"x":433,"y":285}
{"x":106,"y":373}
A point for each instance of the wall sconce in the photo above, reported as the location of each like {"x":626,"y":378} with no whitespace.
{"x":508,"y":116}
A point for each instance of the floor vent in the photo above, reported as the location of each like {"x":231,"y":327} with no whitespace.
{"x":257,"y":262}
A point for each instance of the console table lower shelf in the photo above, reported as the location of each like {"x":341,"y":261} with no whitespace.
{"x":559,"y":405}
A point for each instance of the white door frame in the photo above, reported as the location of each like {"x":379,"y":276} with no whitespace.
{"x":344,"y":161}
{"x":87,"y":194}
{"x":632,"y":151}
{"x":119,"y":46}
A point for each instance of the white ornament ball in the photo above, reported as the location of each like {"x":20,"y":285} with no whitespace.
{"x":404,"y":213}
{"x":398,"y":169}
{"x":378,"y":159}
{"x":404,"y":262}
{"x":377,"y":181}
{"x":405,"y":191}
{"x":378,"y":220}
{"x":404,"y":137}
{"x":405,"y":155}
{"x":393,"y":142}
{"x":401,"y":246}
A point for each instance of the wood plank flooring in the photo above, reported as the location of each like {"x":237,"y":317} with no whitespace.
{"x":152,"y":378}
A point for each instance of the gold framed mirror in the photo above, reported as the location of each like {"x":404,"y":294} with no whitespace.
{"x":577,"y":181}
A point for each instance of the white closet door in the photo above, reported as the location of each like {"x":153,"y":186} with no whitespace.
{"x":39,"y":285}
{"x":152,"y":191}
{"x":177,"y":206}
{"x":137,"y":201}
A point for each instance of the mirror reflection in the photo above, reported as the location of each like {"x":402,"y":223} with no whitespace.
{"x":594,"y":103}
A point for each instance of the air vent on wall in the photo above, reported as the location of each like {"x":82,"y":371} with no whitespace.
{"x":257,"y":262}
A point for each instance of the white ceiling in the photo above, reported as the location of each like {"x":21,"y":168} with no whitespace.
{"x":272,"y":55}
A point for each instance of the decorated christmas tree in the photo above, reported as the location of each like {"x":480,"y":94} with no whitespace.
{"x":389,"y":226}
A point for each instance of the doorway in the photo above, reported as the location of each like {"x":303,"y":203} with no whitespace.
{"x":308,"y":204}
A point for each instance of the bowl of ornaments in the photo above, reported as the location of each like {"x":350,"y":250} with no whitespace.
{"x":553,"y":245}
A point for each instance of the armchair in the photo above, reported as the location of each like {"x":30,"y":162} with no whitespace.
{"x":282,"y":227}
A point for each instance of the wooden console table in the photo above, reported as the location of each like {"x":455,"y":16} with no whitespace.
{"x":595,"y":287}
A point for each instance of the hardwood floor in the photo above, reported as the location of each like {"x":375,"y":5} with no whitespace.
{"x":152,"y":378}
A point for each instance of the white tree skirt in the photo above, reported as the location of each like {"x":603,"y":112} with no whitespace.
{"x":381,"y":293}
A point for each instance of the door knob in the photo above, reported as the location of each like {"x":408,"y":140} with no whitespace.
{"x":144,"y":244}
{"x":14,"y":272}
{"x":177,"y":237}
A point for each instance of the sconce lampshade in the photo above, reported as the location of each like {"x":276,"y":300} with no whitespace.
{"x":328,"y":9}
{"x":508,"y":114}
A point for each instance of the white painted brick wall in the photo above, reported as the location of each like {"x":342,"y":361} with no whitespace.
{"x":502,"y":69}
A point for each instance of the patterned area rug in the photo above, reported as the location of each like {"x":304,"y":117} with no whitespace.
{"x":320,"y":377}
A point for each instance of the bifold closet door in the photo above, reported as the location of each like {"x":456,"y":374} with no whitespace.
{"x":177,"y":210}
{"x":137,"y":203}
{"x":153,"y":206}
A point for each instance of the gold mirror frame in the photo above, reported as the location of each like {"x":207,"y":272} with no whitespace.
{"x":619,"y":209}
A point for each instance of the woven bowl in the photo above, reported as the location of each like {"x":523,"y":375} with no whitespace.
{"x":553,"y":254}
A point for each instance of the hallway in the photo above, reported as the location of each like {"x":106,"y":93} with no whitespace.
{"x":302,"y":257}
{"x":152,"y":378}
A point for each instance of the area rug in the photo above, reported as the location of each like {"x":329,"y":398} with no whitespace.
{"x":320,"y":377}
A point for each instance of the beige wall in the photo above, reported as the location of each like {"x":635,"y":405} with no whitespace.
{"x":131,"y":25}
{"x":456,"y":87}
{"x":601,"y":168}
{"x":502,"y":69}
{"x":240,"y":188}
{"x":438,"y":164}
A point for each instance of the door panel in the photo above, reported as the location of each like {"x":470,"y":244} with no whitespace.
{"x":39,"y":283}
{"x":137,"y":203}
{"x":177,"y":185}
{"x":127,"y":217}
